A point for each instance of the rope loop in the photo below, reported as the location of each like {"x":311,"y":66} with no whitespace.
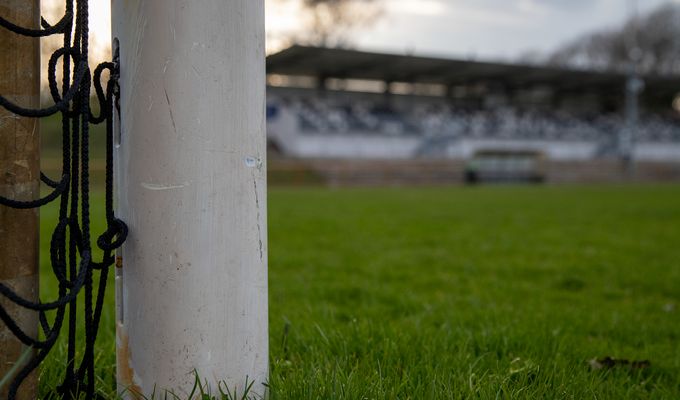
{"x":118,"y":230}
{"x":47,"y":30}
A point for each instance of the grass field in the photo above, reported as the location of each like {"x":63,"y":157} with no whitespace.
{"x":491,"y":292}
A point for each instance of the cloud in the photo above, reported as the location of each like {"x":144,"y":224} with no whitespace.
{"x":417,"y":7}
{"x":562,"y":4}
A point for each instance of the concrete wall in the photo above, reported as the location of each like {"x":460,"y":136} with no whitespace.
{"x":363,"y":172}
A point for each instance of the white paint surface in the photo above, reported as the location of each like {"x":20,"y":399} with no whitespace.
{"x":193,"y":286}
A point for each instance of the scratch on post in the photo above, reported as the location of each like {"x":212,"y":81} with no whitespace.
{"x":35,"y":127}
{"x":172,"y":117}
{"x":256,"y":162}
{"x":259,"y":229}
{"x":198,"y":75}
{"x":219,"y":151}
{"x":156,"y":186}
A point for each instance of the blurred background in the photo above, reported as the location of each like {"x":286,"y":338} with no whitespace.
{"x":447,"y":91}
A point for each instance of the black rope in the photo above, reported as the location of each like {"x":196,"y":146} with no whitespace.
{"x":70,"y":249}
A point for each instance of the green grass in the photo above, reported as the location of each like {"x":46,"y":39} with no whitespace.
{"x":491,"y":292}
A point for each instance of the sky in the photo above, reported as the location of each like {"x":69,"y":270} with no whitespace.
{"x":494,"y":29}
{"x":479,"y":29}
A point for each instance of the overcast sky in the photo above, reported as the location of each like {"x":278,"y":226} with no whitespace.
{"x":496,"y":29}
{"x":483,"y":29}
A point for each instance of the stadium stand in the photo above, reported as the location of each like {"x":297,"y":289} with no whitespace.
{"x":434,"y":126}
{"x":348,"y":105}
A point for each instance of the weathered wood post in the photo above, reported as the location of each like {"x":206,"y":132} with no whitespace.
{"x":192,"y":277}
{"x":19,"y":179}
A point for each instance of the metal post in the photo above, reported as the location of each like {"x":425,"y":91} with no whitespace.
{"x":634,"y":86}
{"x":19,"y":179}
{"x":192,"y":277}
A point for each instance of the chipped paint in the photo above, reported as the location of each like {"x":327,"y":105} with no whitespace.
{"x":22,"y":164}
{"x":253,"y":162}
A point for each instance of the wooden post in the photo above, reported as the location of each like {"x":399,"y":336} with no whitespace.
{"x":192,"y":277}
{"x":19,"y":179}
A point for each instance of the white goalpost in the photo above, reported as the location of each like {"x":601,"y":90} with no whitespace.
{"x":192,"y":277}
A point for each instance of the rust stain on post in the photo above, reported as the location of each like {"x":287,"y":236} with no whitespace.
{"x":126,"y":374}
{"x":19,"y":179}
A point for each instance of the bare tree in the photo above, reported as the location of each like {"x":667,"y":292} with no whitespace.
{"x":651,"y":41}
{"x":53,"y":11}
{"x":330,"y":23}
